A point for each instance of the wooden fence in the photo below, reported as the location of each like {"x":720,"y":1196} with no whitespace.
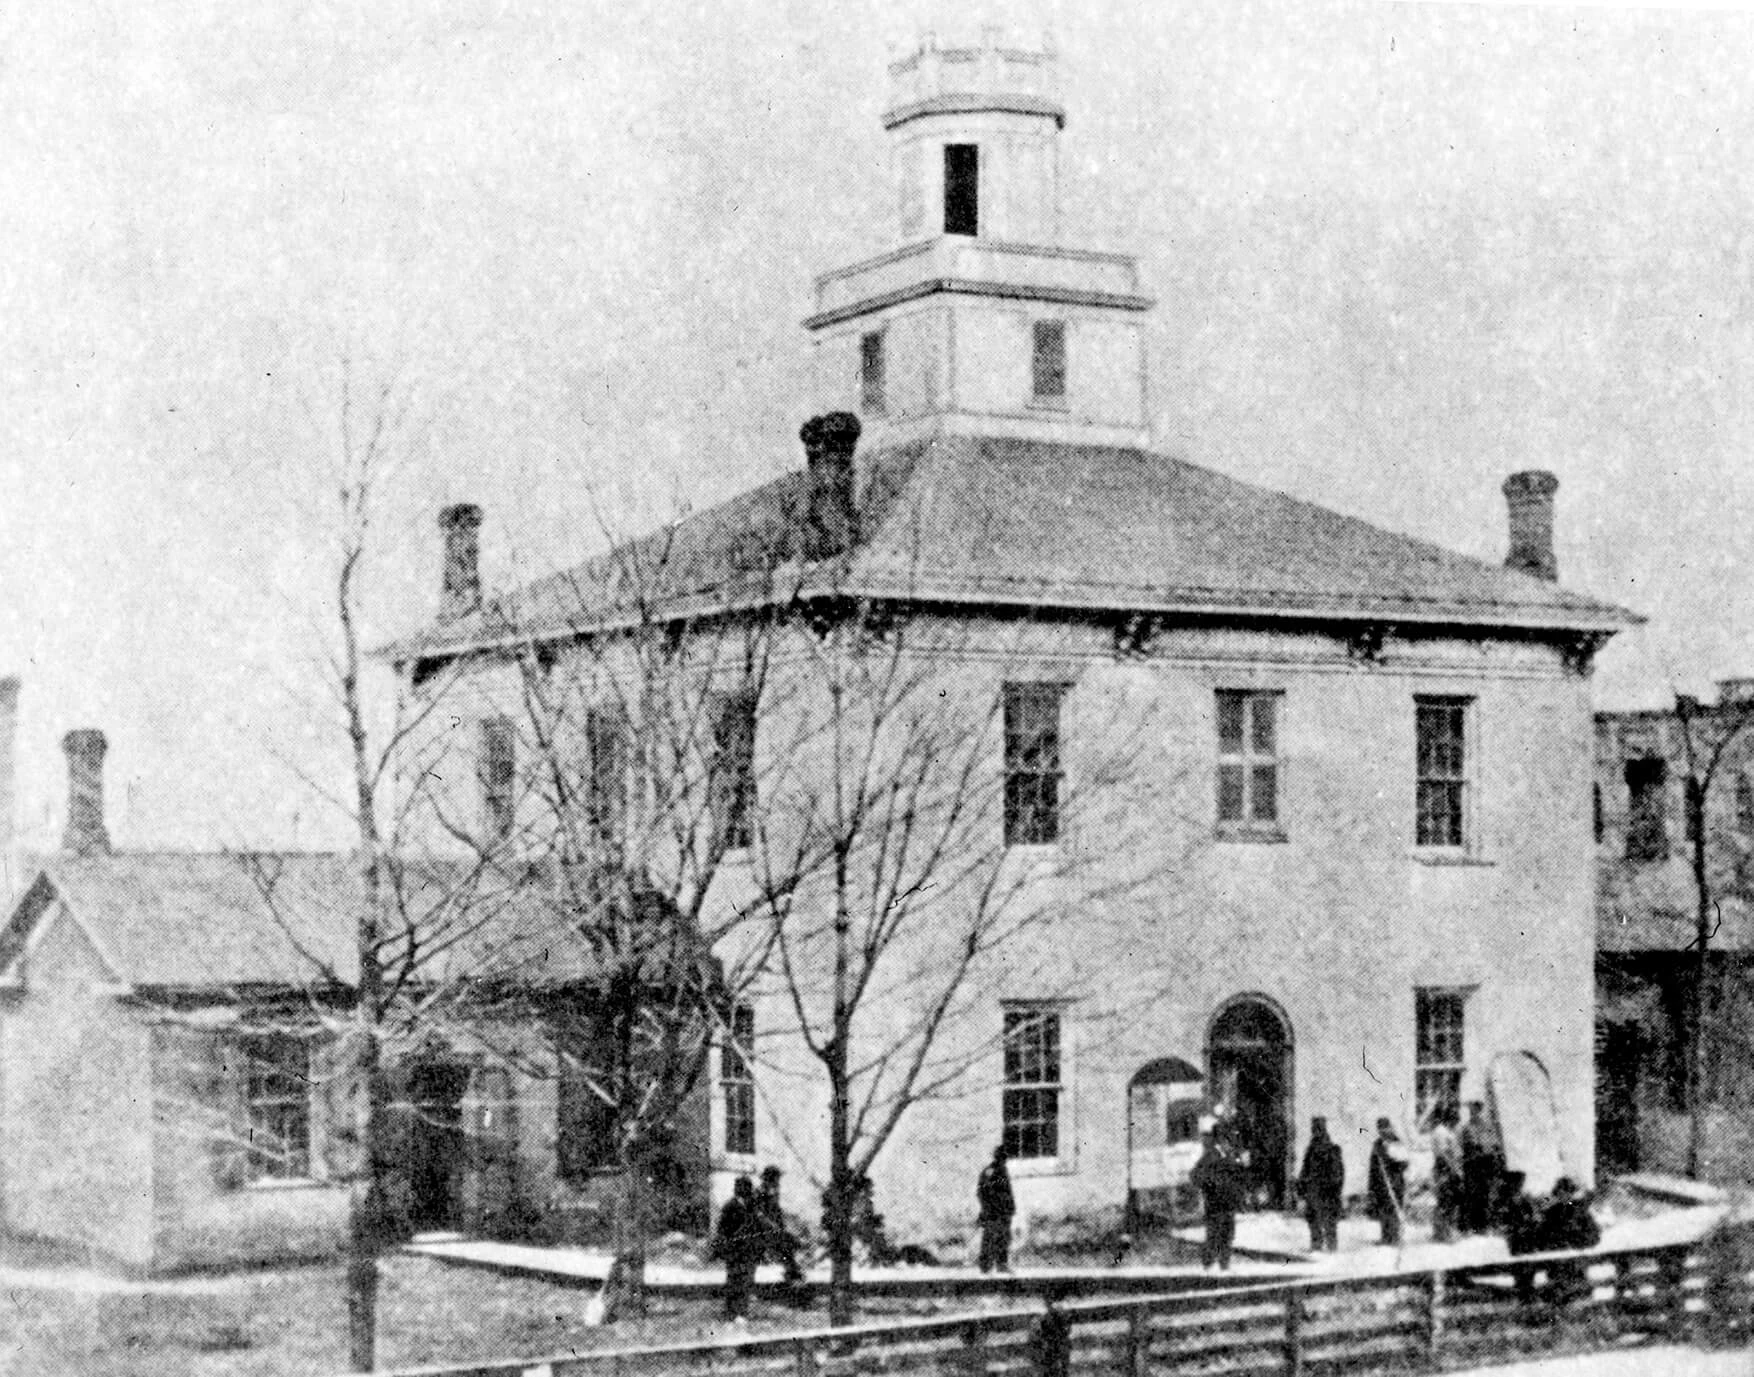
{"x":1406,"y":1321}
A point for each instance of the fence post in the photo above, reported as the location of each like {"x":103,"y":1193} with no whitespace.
{"x":1293,"y":1332}
{"x":1672,"y":1267}
{"x":971,"y":1358}
{"x":1726,"y":1312}
{"x":1138,"y":1342}
{"x":1434,"y":1298}
{"x":804,"y":1358}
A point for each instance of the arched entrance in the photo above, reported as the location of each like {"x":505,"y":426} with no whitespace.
{"x":1248,"y":1056}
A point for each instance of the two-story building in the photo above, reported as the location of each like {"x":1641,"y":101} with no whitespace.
{"x":1295,"y":808}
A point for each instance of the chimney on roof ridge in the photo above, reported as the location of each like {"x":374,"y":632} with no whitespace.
{"x":831,"y":515}
{"x":1530,"y":498}
{"x":86,"y":834}
{"x":460,"y":590}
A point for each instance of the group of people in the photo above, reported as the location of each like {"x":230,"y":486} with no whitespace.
{"x":752,"y":1230}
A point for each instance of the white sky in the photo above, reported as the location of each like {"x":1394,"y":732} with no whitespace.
{"x":1399,"y":251}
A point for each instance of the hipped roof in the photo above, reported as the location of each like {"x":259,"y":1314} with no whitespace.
{"x":987,"y":522}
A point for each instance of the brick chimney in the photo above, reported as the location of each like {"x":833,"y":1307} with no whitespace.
{"x":460,"y":591}
{"x":1530,"y":497}
{"x":86,"y":834}
{"x":831,"y":515}
{"x":8,"y":785}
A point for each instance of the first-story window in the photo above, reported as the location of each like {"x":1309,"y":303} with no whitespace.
{"x":277,"y":1106}
{"x":1048,"y":362}
{"x":585,"y":1113}
{"x":872,"y":398}
{"x":498,"y":766}
{"x":1031,"y":1099}
{"x":1441,"y":729}
{"x":737,"y":1081}
{"x":1439,"y":1054}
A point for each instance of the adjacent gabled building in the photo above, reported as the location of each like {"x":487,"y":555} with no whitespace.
{"x":1361,"y":796}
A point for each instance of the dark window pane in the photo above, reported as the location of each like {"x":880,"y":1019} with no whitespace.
{"x":871,"y":372}
{"x":1266,"y":793}
{"x":1646,"y":822}
{"x":1230,"y":715}
{"x":962,"y":188}
{"x":498,"y":775}
{"x":1263,"y":706}
{"x":1050,"y":360}
{"x":1230,"y":782}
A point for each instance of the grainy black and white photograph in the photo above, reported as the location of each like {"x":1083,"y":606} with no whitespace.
{"x":894,"y":687}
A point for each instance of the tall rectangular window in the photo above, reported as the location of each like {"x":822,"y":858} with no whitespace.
{"x":1031,"y":1098}
{"x":1441,"y":731}
{"x":872,"y":397}
{"x":606,"y":782}
{"x":1032,"y":763}
{"x":1647,"y":787}
{"x":585,"y":1117}
{"x":277,"y":1106}
{"x":1438,"y":1050}
{"x":1248,"y":760}
{"x":962,"y":175}
{"x":733,"y":770}
{"x":498,"y":772}
{"x":1048,"y":355}
{"x":737,"y":1081}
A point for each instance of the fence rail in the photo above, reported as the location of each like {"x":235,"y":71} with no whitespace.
{"x":1697,"y":1291}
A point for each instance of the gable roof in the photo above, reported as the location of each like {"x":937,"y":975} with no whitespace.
{"x":988,"y":521}
{"x":219,"y":921}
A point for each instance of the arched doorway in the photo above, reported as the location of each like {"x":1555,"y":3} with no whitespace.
{"x":1248,"y":1056}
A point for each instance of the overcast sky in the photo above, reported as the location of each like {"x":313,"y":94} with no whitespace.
{"x":1399,"y":250}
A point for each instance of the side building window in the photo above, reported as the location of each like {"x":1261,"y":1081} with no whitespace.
{"x":872,"y":396}
{"x":1033,"y":775}
{"x":737,"y":1081}
{"x":1647,"y":830}
{"x":1441,"y":752}
{"x":1248,"y":761}
{"x":277,"y":1106}
{"x":1048,"y":362}
{"x":585,"y":1118}
{"x":606,"y":784}
{"x":1438,"y":1051}
{"x":498,"y":770}
{"x":1030,"y":1105}
{"x":962,"y":184}
{"x":733,"y":770}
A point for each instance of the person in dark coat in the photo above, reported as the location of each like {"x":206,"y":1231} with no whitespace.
{"x":997,"y":1206}
{"x":738,"y":1243}
{"x":777,"y":1243}
{"x":1567,"y":1226}
{"x":1482,"y":1167}
{"x":1218,"y":1176}
{"x":1322,"y":1182}
{"x":1388,"y":1181}
{"x":1521,"y":1219}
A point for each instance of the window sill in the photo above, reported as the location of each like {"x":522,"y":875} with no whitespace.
{"x":1240,"y":832}
{"x":285,"y":1183}
{"x":1455,"y":858}
{"x":1026,"y":1168}
{"x":1036,"y":855}
{"x":1058,"y":405}
{"x":743,"y":1163}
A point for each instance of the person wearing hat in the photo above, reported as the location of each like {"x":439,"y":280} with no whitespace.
{"x":1322,"y":1182}
{"x":1567,"y":1226}
{"x":997,"y":1206}
{"x":1218,"y":1178}
{"x":737,"y":1243}
{"x":1388,"y":1181}
{"x":1482,"y":1168}
{"x":777,"y":1243}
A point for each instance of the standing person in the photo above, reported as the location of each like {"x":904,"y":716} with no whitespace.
{"x":1567,"y":1226}
{"x":997,"y":1206}
{"x":1218,"y":1177}
{"x":1321,"y":1183}
{"x":777,"y":1243}
{"x":738,"y":1244}
{"x":1446,"y":1174}
{"x":1482,"y":1166}
{"x":1388,"y":1181}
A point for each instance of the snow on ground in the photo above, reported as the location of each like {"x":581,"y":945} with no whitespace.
{"x":1666,"y":1360}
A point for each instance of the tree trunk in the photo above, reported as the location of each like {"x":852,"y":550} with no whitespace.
{"x":367,"y":1222}
{"x":1701,"y":977}
{"x":840,"y":1231}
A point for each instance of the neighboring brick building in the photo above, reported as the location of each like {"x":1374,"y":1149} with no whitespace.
{"x":175,"y":1090}
{"x":1647,"y":915}
{"x":1367,"y":776}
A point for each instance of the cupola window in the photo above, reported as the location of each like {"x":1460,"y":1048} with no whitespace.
{"x":962,"y":164}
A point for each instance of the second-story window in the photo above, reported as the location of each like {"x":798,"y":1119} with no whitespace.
{"x":498,"y":769}
{"x":1248,"y":760}
{"x":962,"y":182}
{"x":1647,"y":830}
{"x":733,"y":770}
{"x":872,"y":398}
{"x":737,"y":1081}
{"x":1441,"y":751}
{"x":606,"y":782}
{"x":1048,"y":360}
{"x":1032,"y":763}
